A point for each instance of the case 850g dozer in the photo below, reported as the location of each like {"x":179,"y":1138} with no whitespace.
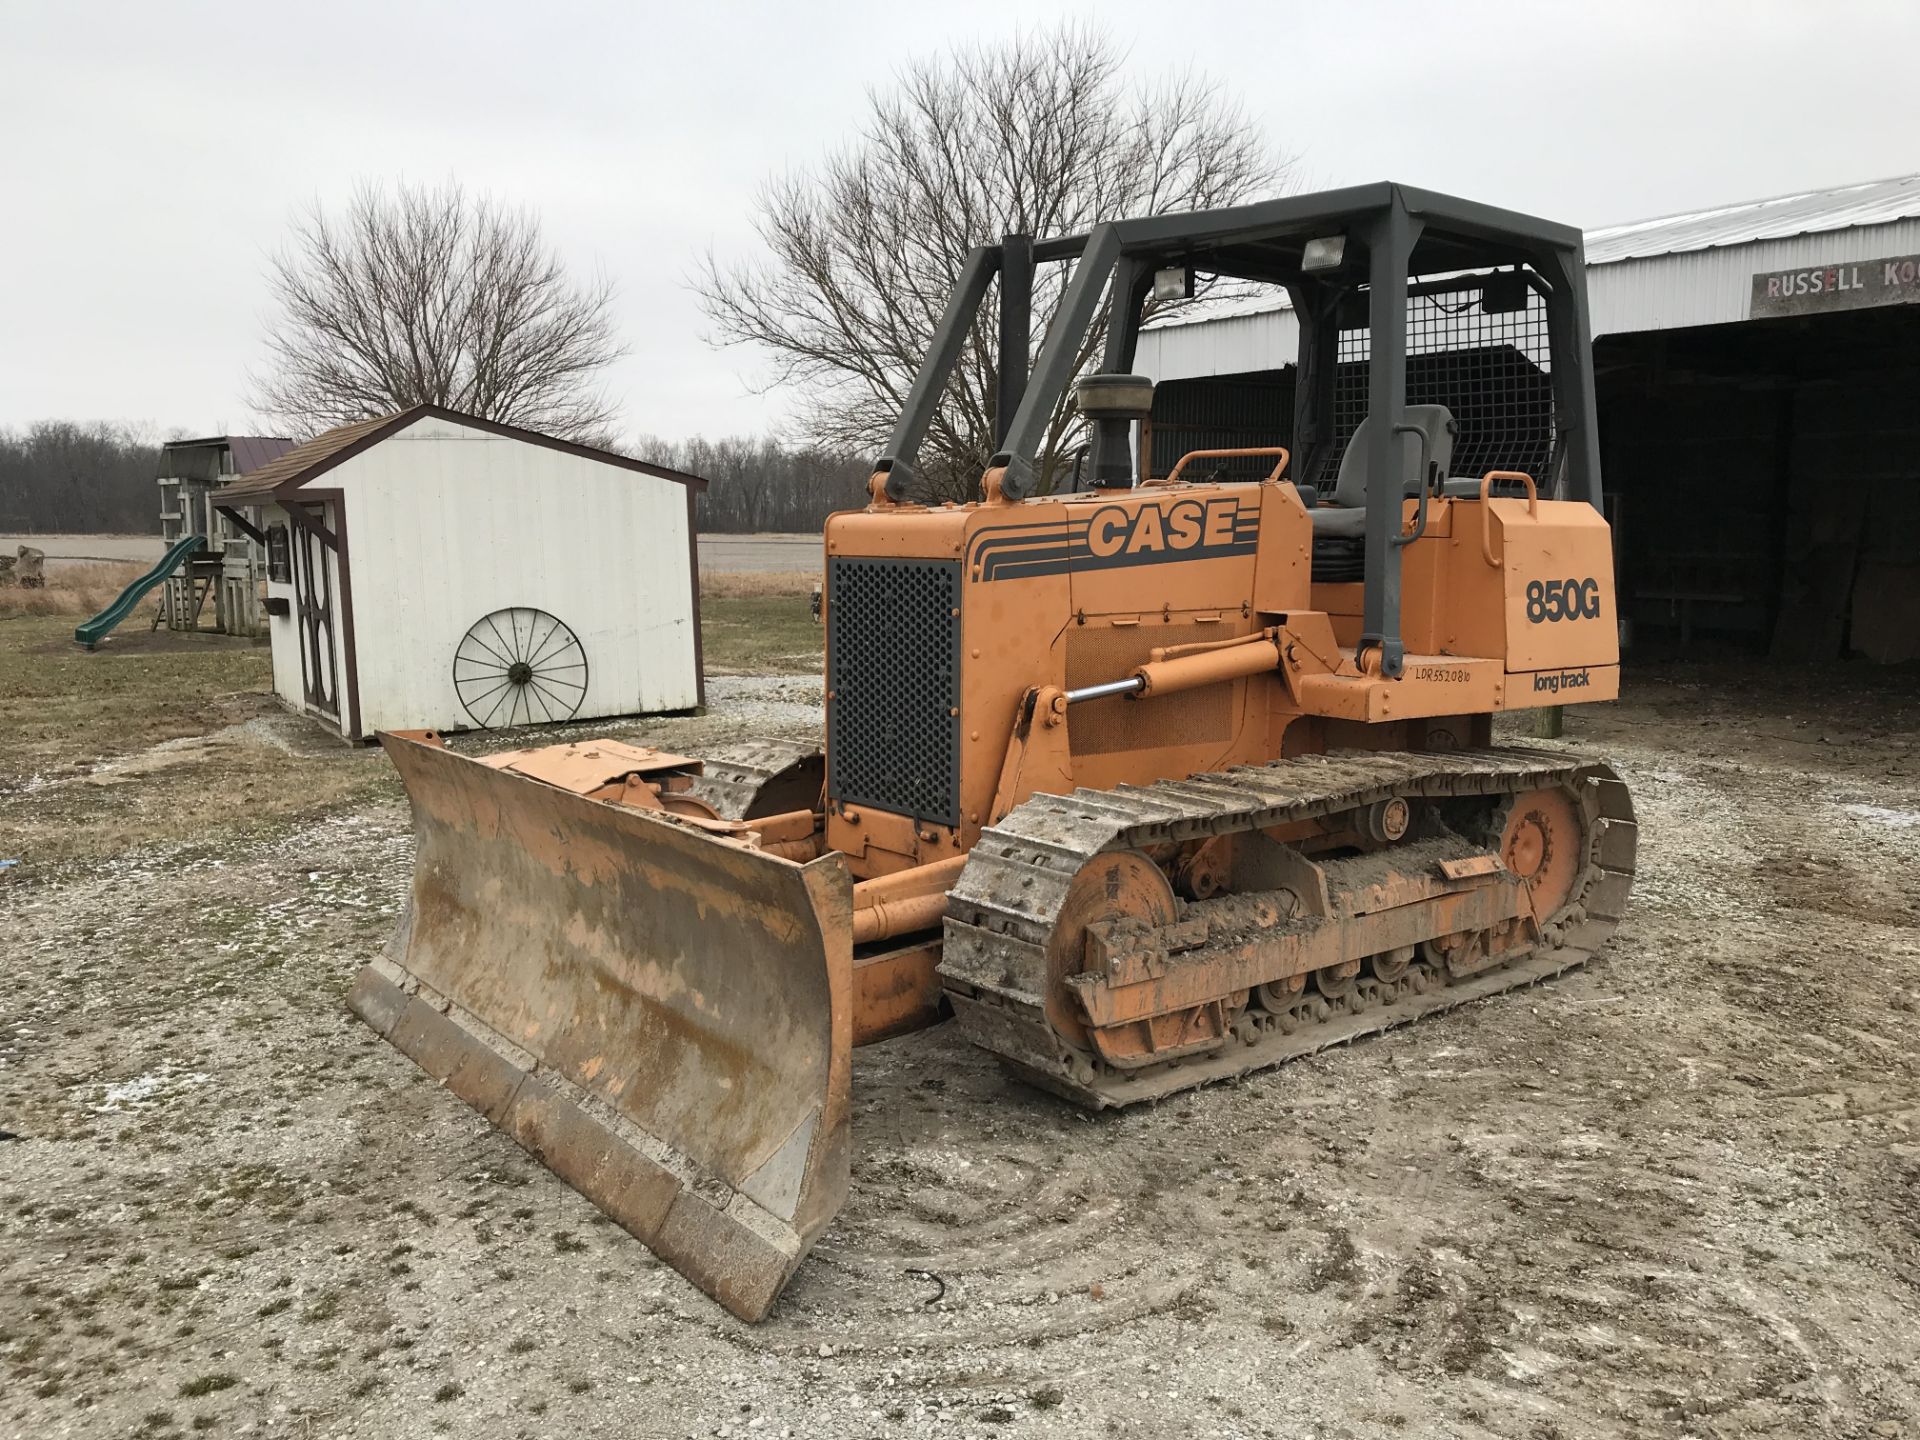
{"x":1145,"y":785}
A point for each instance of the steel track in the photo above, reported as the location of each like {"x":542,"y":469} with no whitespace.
{"x":1009,"y":897}
{"x":733,"y":776}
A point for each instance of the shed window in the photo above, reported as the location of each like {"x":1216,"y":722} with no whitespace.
{"x":279,"y":556}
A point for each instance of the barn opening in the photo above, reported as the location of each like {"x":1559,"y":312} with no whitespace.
{"x":1763,"y":477}
{"x":1754,"y":368}
{"x":1766,"y":484}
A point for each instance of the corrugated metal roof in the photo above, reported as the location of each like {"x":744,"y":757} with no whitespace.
{"x":1709,"y":286}
{"x":1781,"y":217}
{"x":250,"y":452}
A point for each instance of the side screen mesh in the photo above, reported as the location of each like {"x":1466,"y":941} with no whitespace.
{"x":893,"y":686}
{"x":1478,"y":346}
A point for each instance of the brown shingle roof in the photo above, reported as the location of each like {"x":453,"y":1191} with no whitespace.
{"x":257,"y":486}
{"x":301,"y":464}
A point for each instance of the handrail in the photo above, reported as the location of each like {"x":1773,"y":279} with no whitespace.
{"x":1426,"y":458}
{"x":1280,"y":450}
{"x":1486,"y":510}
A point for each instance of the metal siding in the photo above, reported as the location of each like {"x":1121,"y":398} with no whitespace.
{"x":1715,"y":287}
{"x":1230,"y":346}
{"x":449,"y":524}
{"x":1664,"y":292}
{"x":1672,"y":271}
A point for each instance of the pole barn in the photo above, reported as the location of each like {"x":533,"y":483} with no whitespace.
{"x":433,"y":570}
{"x":1755,"y":365}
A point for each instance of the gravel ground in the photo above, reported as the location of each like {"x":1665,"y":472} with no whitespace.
{"x":1676,"y":1194}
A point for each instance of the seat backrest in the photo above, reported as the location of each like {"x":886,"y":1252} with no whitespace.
{"x":1435,"y":421}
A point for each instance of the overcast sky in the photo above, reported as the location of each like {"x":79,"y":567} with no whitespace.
{"x":151,"y":153}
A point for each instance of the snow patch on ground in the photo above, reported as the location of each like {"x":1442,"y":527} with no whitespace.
{"x":157,"y":1084}
{"x":1885,"y":816}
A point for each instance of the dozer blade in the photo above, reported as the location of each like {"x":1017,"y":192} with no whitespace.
{"x":660,"y":1017}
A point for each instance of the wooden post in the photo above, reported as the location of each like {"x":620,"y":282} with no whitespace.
{"x":1546,"y":722}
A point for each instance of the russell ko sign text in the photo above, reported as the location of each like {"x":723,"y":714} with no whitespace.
{"x":1848,"y":285}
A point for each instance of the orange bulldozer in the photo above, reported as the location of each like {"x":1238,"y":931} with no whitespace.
{"x":1142,"y":780}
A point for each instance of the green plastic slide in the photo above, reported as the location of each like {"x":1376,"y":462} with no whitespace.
{"x":89,"y":632}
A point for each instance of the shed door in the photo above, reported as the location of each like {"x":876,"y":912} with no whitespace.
{"x":315,"y":564}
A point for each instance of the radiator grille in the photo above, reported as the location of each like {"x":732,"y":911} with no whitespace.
{"x":893,"y":677}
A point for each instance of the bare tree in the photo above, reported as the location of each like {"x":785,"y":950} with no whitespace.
{"x":1039,"y":136}
{"x":427,"y":295}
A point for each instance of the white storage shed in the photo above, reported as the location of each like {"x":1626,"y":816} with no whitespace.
{"x":433,"y":570}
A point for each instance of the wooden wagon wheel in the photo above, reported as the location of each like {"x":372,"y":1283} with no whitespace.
{"x":519,"y":666}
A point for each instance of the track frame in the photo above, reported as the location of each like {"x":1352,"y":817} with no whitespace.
{"x":999,"y":974}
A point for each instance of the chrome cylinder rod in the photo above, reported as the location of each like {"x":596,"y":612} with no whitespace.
{"x":1132,"y":685}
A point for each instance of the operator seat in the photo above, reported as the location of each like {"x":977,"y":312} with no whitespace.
{"x":1340,"y":526}
{"x":1345,"y":513}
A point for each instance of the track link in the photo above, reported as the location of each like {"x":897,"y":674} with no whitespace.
{"x":755,"y":778}
{"x":1002,"y":911}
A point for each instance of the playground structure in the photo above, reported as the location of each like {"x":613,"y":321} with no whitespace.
{"x":232,"y":564}
{"x":212,"y":553}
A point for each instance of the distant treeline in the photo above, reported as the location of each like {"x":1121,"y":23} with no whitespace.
{"x":60,"y":475}
{"x":763,"y":485}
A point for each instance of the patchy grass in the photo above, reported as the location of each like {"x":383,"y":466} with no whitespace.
{"x":76,"y":590}
{"x":324,"y":1307}
{"x":208,"y":1384}
{"x":771,"y":633}
{"x":755,"y":584}
{"x":61,"y":703}
{"x":63,"y":709}
{"x":161,"y":737}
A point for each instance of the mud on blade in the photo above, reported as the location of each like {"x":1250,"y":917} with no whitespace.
{"x":660,"y":1017}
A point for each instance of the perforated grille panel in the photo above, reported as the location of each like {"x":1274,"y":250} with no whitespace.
{"x":893,"y":678}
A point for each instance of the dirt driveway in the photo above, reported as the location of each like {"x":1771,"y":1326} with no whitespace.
{"x":761,"y":553}
{"x":1678,"y":1194}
